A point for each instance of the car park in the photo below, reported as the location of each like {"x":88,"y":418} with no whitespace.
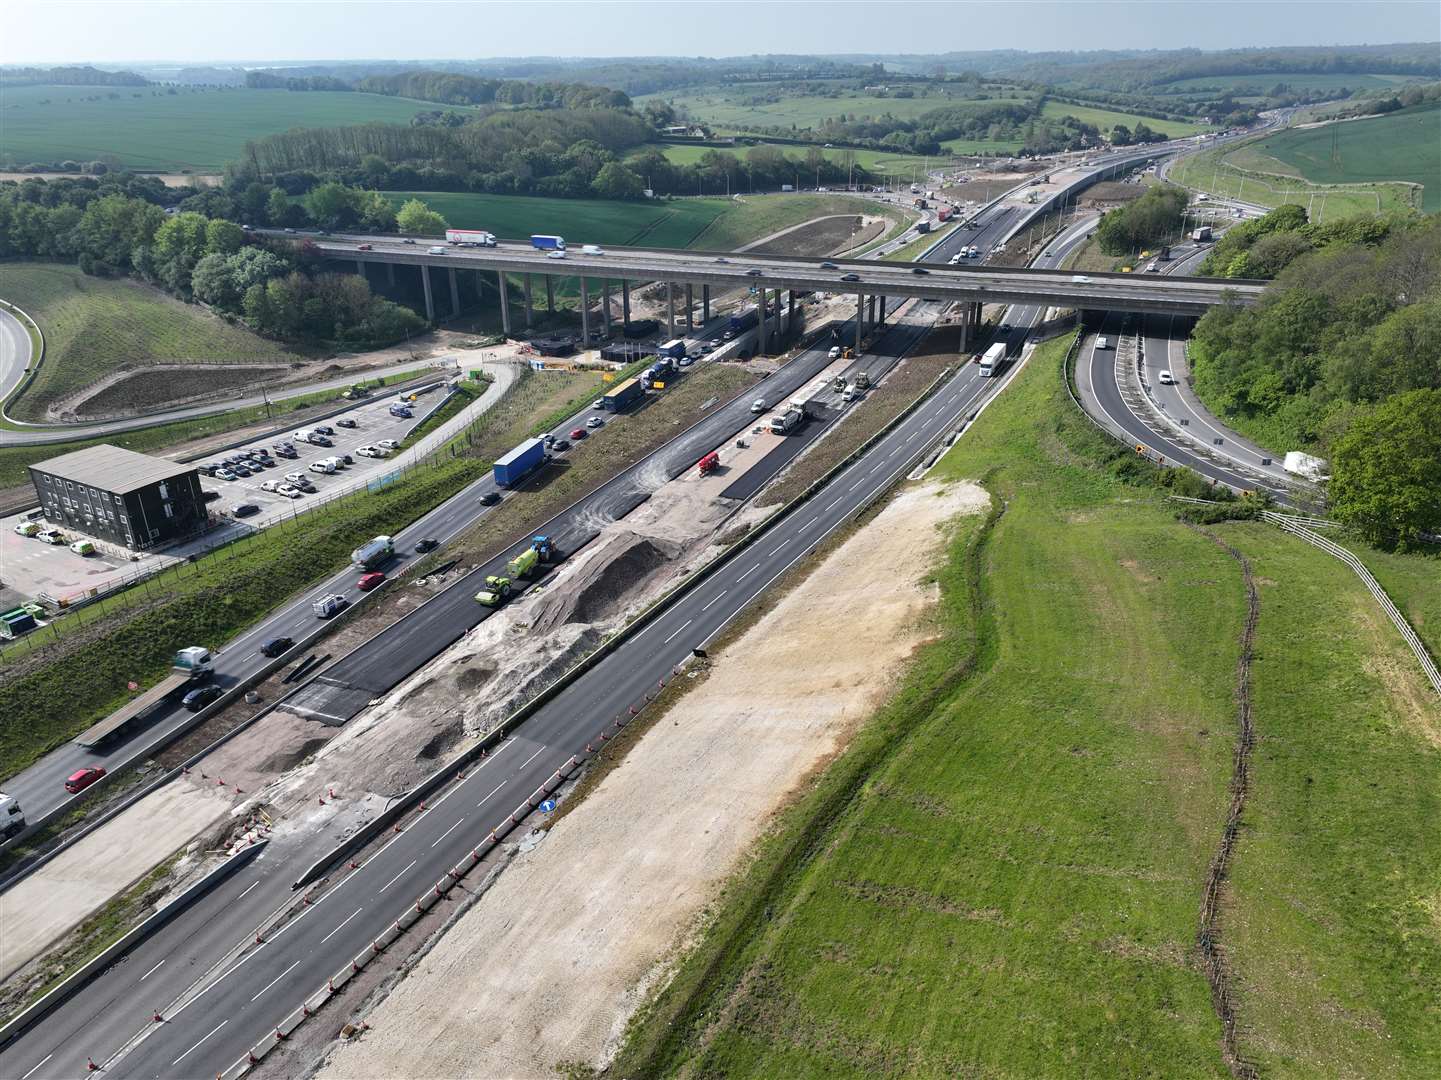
{"x":81,"y":779}
{"x":275,"y":646}
{"x":199,"y":698}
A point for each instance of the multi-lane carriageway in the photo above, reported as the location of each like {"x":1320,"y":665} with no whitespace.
{"x":220,"y":996}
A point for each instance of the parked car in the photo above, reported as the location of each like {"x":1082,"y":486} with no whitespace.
{"x":51,"y":536}
{"x":208,"y":470}
{"x":347,"y":459}
{"x":198,"y":699}
{"x":209,"y":496}
{"x":275,"y":646}
{"x":428,"y":544}
{"x":389,"y":444}
{"x":346,"y":421}
{"x":241,"y":470}
{"x":490,"y":498}
{"x":246,"y":510}
{"x":324,"y":429}
{"x":225,"y":474}
{"x":81,"y":779}
{"x":27,"y":528}
{"x":369,"y":581}
{"x":290,"y":491}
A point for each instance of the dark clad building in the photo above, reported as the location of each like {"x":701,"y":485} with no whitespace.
{"x":115,"y":494}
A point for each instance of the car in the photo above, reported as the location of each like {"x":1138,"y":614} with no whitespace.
{"x":346,"y":421}
{"x":850,"y":277}
{"x":207,"y":495}
{"x":319,"y":440}
{"x":1081,"y":278}
{"x":578,"y":433}
{"x":490,"y":498}
{"x":324,"y":429}
{"x":754,"y":273}
{"x":305,"y":485}
{"x":591,"y":249}
{"x":199,"y":698}
{"x":428,"y":544}
{"x":246,"y":510}
{"x":722,"y":259}
{"x":408,"y":240}
{"x":27,"y":528}
{"x":728,"y":335}
{"x":286,"y":452}
{"x":684,"y":361}
{"x":225,"y":474}
{"x":295,"y":477}
{"x":919,"y":270}
{"x":1050,"y":254}
{"x":389,"y":444}
{"x":595,"y":421}
{"x":270,"y":485}
{"x":246,"y":228}
{"x":208,"y":470}
{"x":347,"y":459}
{"x":241,"y":470}
{"x":555,"y":254}
{"x":829,"y":266}
{"x":714,"y":343}
{"x":289,"y":229}
{"x":1005,"y":328}
{"x":369,"y":581}
{"x":277,"y":645}
{"x":560,"y":446}
{"x":289,"y":490}
{"x":364,"y":247}
{"x":759,"y":405}
{"x":1167,"y":379}
{"x":435,"y":249}
{"x":81,"y":779}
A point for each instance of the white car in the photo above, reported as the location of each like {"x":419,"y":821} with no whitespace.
{"x":389,"y":444}
{"x":50,"y":536}
{"x":323,"y":466}
{"x":290,"y":491}
{"x":1167,"y":379}
{"x":435,"y":251}
{"x":270,"y":485}
{"x":1080,"y":279}
{"x":591,"y":249}
{"x":372,"y":451}
{"x":225,"y":474}
{"x":295,"y":477}
{"x":555,"y":254}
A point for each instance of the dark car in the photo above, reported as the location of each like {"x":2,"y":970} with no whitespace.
{"x":325,"y":429}
{"x":755,"y":273}
{"x":408,"y":240}
{"x":347,"y":459}
{"x":829,"y":266}
{"x":1005,"y":328}
{"x":346,"y":421}
{"x":209,"y":496}
{"x":919,"y":270}
{"x":275,"y":646}
{"x":490,"y":498}
{"x":246,"y":509}
{"x":722,"y":260}
{"x":241,"y":470}
{"x":198,"y":699}
{"x":850,"y":277}
{"x":289,"y":230}
{"x":422,"y":546}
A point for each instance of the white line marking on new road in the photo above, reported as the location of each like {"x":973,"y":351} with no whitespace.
{"x":532,"y":757}
{"x":150,"y":972}
{"x":811,"y":522}
{"x":677,"y":630}
{"x":747,"y":574}
{"x":337,"y":930}
{"x":252,"y":885}
{"x":187,"y":1053}
{"x":47,"y":1058}
{"x":834,"y":504}
{"x":245,"y":658}
{"x":783,"y":544}
{"x":393,"y":880}
{"x":277,"y":978}
{"x":487,"y":798}
{"x":443,"y":835}
{"x":717,"y":598}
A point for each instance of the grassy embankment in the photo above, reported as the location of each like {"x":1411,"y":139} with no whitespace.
{"x":180,"y":129}
{"x":1106,"y":119}
{"x":96,"y":326}
{"x":1002,"y":874}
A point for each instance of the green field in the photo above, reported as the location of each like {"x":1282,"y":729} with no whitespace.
{"x":1105,"y":119}
{"x":94,"y":326}
{"x":1401,"y":146}
{"x":1002,"y":874}
{"x":710,"y":224}
{"x":1241,"y":84}
{"x":729,"y":107}
{"x":184,"y":130}
{"x":882,"y":162}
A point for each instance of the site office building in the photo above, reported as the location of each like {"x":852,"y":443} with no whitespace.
{"x":115,"y":494}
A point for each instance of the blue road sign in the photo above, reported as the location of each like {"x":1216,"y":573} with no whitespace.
{"x":547,"y":806}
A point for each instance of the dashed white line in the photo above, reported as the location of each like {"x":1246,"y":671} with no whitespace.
{"x":272,"y":982}
{"x":537,"y":754}
{"x":783,"y":544}
{"x":47,"y":1058}
{"x":443,"y":835}
{"x":488,"y":797}
{"x":835,"y":504}
{"x":393,"y":880}
{"x":151,"y":972}
{"x":676,"y":631}
{"x":809,"y":523}
{"x":213,"y":1030}
{"x":243,"y":659}
{"x":716,"y":600}
{"x":747,"y":574}
{"x":252,"y":885}
{"x":337,"y":930}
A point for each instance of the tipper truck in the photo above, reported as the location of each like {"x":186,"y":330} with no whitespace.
{"x":192,"y":665}
{"x":12,"y":818}
{"x":783,"y":423}
{"x":373,"y":553}
{"x":515,"y":465}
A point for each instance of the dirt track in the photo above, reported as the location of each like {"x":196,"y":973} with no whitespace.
{"x":575,"y":932}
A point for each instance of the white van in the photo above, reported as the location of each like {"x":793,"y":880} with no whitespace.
{"x":758,"y":405}
{"x":591,"y":249}
{"x":1167,"y":379}
{"x":329,"y":606}
{"x":1103,"y":343}
{"x":335,"y":463}
{"x":324,"y":465}
{"x":835,"y":352}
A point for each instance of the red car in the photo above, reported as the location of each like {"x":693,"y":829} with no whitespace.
{"x":369,"y":581}
{"x":81,"y":779}
{"x":364,"y":247}
{"x":579,"y":433}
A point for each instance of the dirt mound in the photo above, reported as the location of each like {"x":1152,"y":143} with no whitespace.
{"x":598,"y":589}
{"x":168,"y":384}
{"x":283,"y":760}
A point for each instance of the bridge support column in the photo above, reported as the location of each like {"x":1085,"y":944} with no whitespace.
{"x":390,"y":273}
{"x":883,"y":309}
{"x":429,"y":298}
{"x":669,"y":310}
{"x":504,"y":303}
{"x":860,"y":320}
{"x":705,"y":303}
{"x":871,"y":316}
{"x":975,"y":321}
{"x":761,"y":344}
{"x":689,"y":309}
{"x":584,"y":313}
{"x":529,"y":303}
{"x":605,"y":306}
{"x":790,"y":310}
{"x":624,"y":303}
{"x":454,"y":294}
{"x":360,"y":267}
{"x":549,"y":294}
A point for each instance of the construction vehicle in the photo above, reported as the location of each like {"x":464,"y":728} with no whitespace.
{"x":784,"y":422}
{"x":848,"y":353}
{"x":12,"y":818}
{"x":192,"y":665}
{"x":838,"y":384}
{"x":495,"y":592}
{"x":541,"y":551}
{"x":863,"y":380}
{"x":709,"y":464}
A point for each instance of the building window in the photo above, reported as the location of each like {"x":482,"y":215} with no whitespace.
{"x":169,"y":510}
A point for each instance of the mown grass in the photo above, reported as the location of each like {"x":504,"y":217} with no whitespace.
{"x":96,"y":326}
{"x":740,"y":108}
{"x":1106,"y":119}
{"x":1002,"y":875}
{"x":159,"y":129}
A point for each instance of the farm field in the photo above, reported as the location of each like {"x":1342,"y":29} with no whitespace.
{"x":882,"y":162}
{"x":1240,"y":84}
{"x":96,"y":326}
{"x":1002,"y":875}
{"x":1400,"y":146}
{"x":1105,"y":119}
{"x":159,"y":129}
{"x":730,"y":108}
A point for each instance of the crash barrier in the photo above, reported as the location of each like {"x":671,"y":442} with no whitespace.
{"x":1290,"y":525}
{"x":100,"y":963}
{"x":33,"y":371}
{"x":450,"y":392}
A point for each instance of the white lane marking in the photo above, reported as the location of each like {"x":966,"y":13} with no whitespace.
{"x":252,"y":885}
{"x":782,"y":544}
{"x":716,"y":600}
{"x":811,"y":522}
{"x":443,"y":835}
{"x":858,"y":484}
{"x":532,"y":757}
{"x":393,"y":880}
{"x":747,"y":574}
{"x":487,"y":798}
{"x":677,"y":630}
{"x":277,"y":978}
{"x":187,"y":1053}
{"x":337,"y":930}
{"x":243,"y":659}
{"x":151,"y":971}
{"x":835,"y":504}
{"x":47,"y":1058}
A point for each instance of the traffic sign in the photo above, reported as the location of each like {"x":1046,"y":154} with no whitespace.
{"x":547,"y":806}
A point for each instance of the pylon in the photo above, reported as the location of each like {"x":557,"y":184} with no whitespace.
{"x":632,"y":710}
{"x":250,"y":1056}
{"x":354,"y":968}
{"x":219,"y":781}
{"x":375,"y":947}
{"x":305,"y":899}
{"x":304,"y":1008}
{"x":330,"y":791}
{"x":90,"y":1066}
{"x":158,"y":1018}
{"x":423,"y":806}
{"x":238,"y":791}
{"x":330,"y":985}
{"x":354,"y":865}
{"x":279,"y":1035}
{"x":320,"y":799}
{"x":397,"y":826}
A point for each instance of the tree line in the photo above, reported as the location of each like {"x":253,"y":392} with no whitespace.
{"x":1152,"y":219}
{"x":450,"y":88}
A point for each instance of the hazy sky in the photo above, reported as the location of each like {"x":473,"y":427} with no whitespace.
{"x":199,"y":31}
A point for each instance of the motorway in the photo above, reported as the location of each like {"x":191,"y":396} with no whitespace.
{"x":14,"y":352}
{"x":219,"y":995}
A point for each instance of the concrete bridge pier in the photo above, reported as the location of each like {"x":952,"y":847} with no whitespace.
{"x":705,"y":303}
{"x":584,"y":313}
{"x":454,"y":294}
{"x":429,"y":296}
{"x":882,"y":309}
{"x":504,"y":303}
{"x":529,"y":304}
{"x":689,"y":309}
{"x":860,"y":320}
{"x":549,"y":294}
{"x":390,"y":274}
{"x":605,"y":306}
{"x":669,"y":310}
{"x":360,"y":268}
{"x":761,"y":344}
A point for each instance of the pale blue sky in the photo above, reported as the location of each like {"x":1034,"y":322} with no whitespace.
{"x":199,"y":31}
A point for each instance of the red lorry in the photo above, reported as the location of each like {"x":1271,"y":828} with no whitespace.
{"x":710,"y":463}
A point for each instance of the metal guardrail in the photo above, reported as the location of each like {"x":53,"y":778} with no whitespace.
{"x":33,"y":370}
{"x":1290,"y":525}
